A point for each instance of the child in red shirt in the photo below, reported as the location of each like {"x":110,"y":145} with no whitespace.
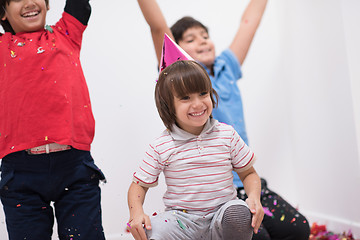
{"x":46,"y":124}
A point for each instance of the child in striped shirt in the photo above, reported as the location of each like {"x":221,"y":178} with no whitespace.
{"x":197,"y":155}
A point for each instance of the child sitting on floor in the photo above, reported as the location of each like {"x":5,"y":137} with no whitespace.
{"x":197,"y":155}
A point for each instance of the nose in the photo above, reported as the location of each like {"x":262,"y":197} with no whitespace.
{"x":202,"y":40}
{"x":29,"y":3}
{"x":196,"y":102}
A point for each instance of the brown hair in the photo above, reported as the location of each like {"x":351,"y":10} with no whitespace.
{"x":180,"y":79}
{"x":184,"y":24}
{"x":5,"y":24}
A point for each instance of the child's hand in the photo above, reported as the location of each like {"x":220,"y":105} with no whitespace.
{"x":258,"y":213}
{"x":136,"y":226}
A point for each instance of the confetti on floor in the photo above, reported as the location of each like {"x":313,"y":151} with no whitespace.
{"x":319,"y":232}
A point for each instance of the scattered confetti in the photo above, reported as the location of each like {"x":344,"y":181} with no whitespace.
{"x":181,"y":224}
{"x":267,"y":212}
{"x":40,"y":50}
{"x":319,"y":232}
{"x":47,"y":27}
{"x":13,"y":54}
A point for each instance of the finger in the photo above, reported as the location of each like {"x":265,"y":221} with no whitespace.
{"x":147,"y":223}
{"x":253,"y":211}
{"x":253,"y":221}
{"x":256,"y":222}
{"x":141,"y":233}
{"x":133,"y":232}
{"x":251,"y":206}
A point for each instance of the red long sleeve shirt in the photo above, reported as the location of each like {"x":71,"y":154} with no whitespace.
{"x":43,"y":93}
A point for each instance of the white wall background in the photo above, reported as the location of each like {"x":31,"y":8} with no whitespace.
{"x":301,"y":90}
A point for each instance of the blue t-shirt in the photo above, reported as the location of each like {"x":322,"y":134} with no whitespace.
{"x":230,"y":109}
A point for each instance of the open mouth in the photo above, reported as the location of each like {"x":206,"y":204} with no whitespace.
{"x":204,"y":51}
{"x":197,"y":114}
{"x":30,"y":14}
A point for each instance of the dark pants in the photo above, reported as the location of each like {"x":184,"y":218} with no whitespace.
{"x":69,"y":179}
{"x":281,"y":220}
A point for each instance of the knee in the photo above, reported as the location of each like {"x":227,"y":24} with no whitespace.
{"x":236,"y":223}
{"x":238,"y":217}
{"x":301,"y":231}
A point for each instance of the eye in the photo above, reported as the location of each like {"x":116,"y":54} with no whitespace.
{"x":185,"y":98}
{"x":188,"y":38}
{"x":204,"y":93}
{"x":205,"y":35}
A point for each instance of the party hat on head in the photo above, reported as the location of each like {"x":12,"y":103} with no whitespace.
{"x":171,"y":52}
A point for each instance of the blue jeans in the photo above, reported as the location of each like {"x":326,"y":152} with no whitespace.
{"x":69,"y":179}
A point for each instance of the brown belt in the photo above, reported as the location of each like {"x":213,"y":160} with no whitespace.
{"x":48,"y":148}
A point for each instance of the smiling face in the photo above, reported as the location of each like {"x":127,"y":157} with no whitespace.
{"x":26,"y":15}
{"x":184,"y":95}
{"x":196,"y":42}
{"x":192,"y":111}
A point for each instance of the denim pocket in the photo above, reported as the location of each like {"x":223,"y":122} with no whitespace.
{"x":98,"y":172}
{"x":6,"y":177}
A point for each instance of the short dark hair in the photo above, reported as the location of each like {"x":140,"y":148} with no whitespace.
{"x":184,"y":24}
{"x":5,"y":24}
{"x":179,"y":79}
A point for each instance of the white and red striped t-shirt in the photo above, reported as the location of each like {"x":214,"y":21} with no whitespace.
{"x":197,"y":169}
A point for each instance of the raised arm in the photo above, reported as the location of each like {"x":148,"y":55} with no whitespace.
{"x":250,"y":21}
{"x":136,"y":197}
{"x":80,"y":9}
{"x":157,"y":23}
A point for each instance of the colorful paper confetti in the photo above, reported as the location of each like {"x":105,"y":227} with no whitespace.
{"x":181,"y":224}
{"x":319,"y":232}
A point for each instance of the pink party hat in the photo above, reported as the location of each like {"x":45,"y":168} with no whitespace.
{"x":171,"y":52}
